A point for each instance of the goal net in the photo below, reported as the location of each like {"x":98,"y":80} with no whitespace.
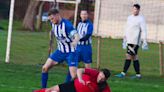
{"x":109,"y":22}
{"x":112,"y":14}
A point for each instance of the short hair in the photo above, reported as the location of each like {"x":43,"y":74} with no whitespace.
{"x":53,"y":11}
{"x":136,"y":6}
{"x":106,"y":72}
{"x":84,"y":10}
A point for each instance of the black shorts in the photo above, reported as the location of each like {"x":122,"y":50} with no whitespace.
{"x":67,"y":87}
{"x":132,"y":49}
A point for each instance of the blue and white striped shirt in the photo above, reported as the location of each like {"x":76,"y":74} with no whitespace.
{"x":85,"y":28}
{"x":61,"y":32}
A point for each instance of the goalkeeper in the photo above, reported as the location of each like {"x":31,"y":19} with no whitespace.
{"x":67,"y":39}
{"x":135,"y":34}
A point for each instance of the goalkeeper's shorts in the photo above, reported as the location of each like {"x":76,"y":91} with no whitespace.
{"x":132,"y":49}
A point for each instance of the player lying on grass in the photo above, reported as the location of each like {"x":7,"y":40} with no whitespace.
{"x":88,"y":80}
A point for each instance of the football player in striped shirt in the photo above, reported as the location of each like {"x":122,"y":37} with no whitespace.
{"x":85,"y":29}
{"x":84,"y":48}
{"x":67,"y":39}
{"x":135,"y":33}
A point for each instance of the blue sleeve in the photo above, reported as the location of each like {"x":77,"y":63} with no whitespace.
{"x":86,"y":37}
{"x":69,"y":27}
{"x":90,"y":29}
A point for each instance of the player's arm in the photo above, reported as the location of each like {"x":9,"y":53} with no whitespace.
{"x":124,"y":41}
{"x":51,"y":37}
{"x":50,"y":42}
{"x":144,"y":34}
{"x":72,"y":33}
{"x":143,"y":30}
{"x":89,"y":33}
{"x":76,"y":39}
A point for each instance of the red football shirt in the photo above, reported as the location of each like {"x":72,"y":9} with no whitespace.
{"x":90,"y":78}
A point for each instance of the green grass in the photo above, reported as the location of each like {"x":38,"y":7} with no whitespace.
{"x":29,"y":51}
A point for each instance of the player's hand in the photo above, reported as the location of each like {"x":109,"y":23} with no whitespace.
{"x":82,"y":81}
{"x":75,"y":40}
{"x":124,"y":45}
{"x":74,"y":43}
{"x":145,"y":45}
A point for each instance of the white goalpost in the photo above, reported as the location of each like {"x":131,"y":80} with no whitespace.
{"x":7,"y":59}
{"x":9,"y":31}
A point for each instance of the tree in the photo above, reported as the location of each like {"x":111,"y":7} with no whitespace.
{"x":86,"y":4}
{"x":39,"y":17}
{"x":29,"y":19}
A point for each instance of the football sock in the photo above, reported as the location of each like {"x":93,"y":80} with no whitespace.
{"x":126,"y":65}
{"x":44,"y":80}
{"x":136,"y":66}
{"x":68,"y":77}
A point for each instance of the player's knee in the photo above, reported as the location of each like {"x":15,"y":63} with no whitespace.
{"x":136,"y":57}
{"x":44,"y":69}
{"x":128,"y":56}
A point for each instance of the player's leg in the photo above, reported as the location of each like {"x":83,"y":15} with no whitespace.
{"x":129,"y":56}
{"x":73,"y":70}
{"x":72,"y":57}
{"x":72,"y":60}
{"x":64,"y":87}
{"x":49,"y":63}
{"x":136,"y":63}
{"x":54,"y":59}
{"x":68,"y":77}
{"x":127,"y":63}
{"x":52,"y":89}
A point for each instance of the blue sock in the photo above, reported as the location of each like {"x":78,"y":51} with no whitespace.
{"x":68,"y":78}
{"x":44,"y":80}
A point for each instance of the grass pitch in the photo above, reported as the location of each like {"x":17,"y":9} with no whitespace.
{"x":30,"y":49}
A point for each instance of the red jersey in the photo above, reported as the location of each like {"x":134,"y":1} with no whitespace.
{"x":90,"y":78}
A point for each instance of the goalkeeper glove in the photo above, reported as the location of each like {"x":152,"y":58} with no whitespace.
{"x":145,"y":45}
{"x":124,"y":43}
